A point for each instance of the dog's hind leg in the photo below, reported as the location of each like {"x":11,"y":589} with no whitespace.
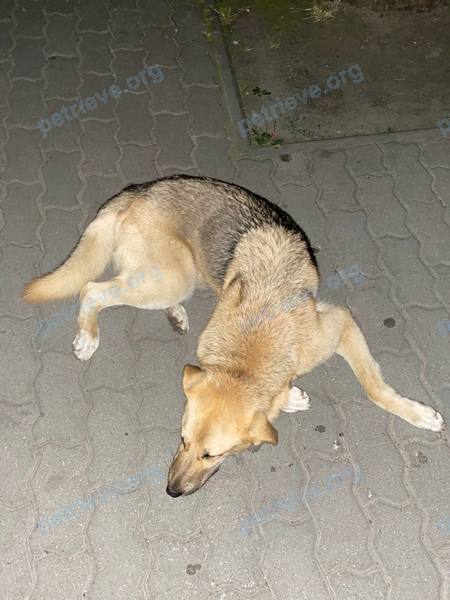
{"x":338,"y":332}
{"x":151,"y":293}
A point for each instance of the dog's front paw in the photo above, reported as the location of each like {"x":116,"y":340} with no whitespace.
{"x":297,"y":400}
{"x":84,"y":345}
{"x":426,"y":417}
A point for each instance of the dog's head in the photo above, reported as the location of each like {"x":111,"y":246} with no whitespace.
{"x":219,"y":420}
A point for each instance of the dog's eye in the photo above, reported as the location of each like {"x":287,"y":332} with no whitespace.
{"x":206,"y":455}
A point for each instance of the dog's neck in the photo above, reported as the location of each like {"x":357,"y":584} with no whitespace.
{"x":264,"y":363}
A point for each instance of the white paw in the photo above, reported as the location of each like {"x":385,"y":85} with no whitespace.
{"x":428,"y":418}
{"x":84,"y":345}
{"x":298,"y":400}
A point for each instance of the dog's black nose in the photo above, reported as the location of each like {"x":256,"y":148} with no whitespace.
{"x":172,"y":493}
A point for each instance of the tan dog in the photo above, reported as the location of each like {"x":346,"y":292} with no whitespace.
{"x":268,"y":326}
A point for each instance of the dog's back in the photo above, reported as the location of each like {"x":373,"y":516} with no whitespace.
{"x":215,"y":217}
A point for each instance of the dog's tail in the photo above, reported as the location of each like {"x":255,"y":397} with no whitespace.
{"x":87,"y":261}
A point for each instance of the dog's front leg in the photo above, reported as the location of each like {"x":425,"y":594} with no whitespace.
{"x":290,"y":399}
{"x":297,"y":400}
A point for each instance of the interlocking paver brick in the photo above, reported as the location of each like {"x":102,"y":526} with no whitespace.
{"x":207,"y":114}
{"x":160,"y":46}
{"x":336,"y":185}
{"x":170,"y":136}
{"x":29,"y":19}
{"x":196,"y":63}
{"x":28,"y":57}
{"x":351,"y":528}
{"x":128,"y":63}
{"x":61,"y":35}
{"x":120,"y":567}
{"x":190,"y":26}
{"x":290,"y":576}
{"x":21,"y":213}
{"x":63,"y":7}
{"x":294,"y":168}
{"x":62,"y":185}
{"x":6,"y":10}
{"x":430,"y":488}
{"x":401,"y":159}
{"x":158,"y":12}
{"x":18,"y":462}
{"x":412,"y":573}
{"x":234,"y":557}
{"x":280,"y":481}
{"x":349,"y":585}
{"x":92,"y":17}
{"x":98,"y":87}
{"x":423,"y":327}
{"x":442,"y":187}
{"x":125,"y":30}
{"x":16,"y":264}
{"x":429,"y":227}
{"x":436,"y":154}
{"x":16,"y":335}
{"x":390,"y":488}
{"x":443,"y":284}
{"x":168,"y":96}
{"x":116,"y":445}
{"x":63,"y":78}
{"x":349,"y":235}
{"x":211,"y":156}
{"x":5,"y":84}
{"x":63,"y":407}
{"x":189,"y":562}
{"x":64,"y":136}
{"x":95,"y":53}
{"x":6,"y":41}
{"x":26,"y":104}
{"x":98,"y":136}
{"x":138,"y":163}
{"x":17,"y":577}
{"x":385,"y":217}
{"x":132,"y":129}
{"x":412,"y":282}
{"x":365,"y":160}
{"x":372,"y":307}
{"x":255,"y":175}
{"x":61,"y":575}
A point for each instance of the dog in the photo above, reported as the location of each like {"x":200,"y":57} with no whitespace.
{"x":267,"y":329}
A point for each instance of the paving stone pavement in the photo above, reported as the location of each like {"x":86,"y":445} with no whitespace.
{"x":353,"y":504}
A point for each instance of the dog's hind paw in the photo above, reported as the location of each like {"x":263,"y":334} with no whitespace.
{"x":298,"y":400}
{"x":178,"y":318}
{"x":84,"y":345}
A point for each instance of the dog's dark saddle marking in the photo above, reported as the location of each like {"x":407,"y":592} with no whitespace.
{"x":225,"y":228}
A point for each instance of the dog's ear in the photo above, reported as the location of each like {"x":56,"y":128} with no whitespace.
{"x":235,"y":289}
{"x":191,"y":376}
{"x":262,"y":430}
